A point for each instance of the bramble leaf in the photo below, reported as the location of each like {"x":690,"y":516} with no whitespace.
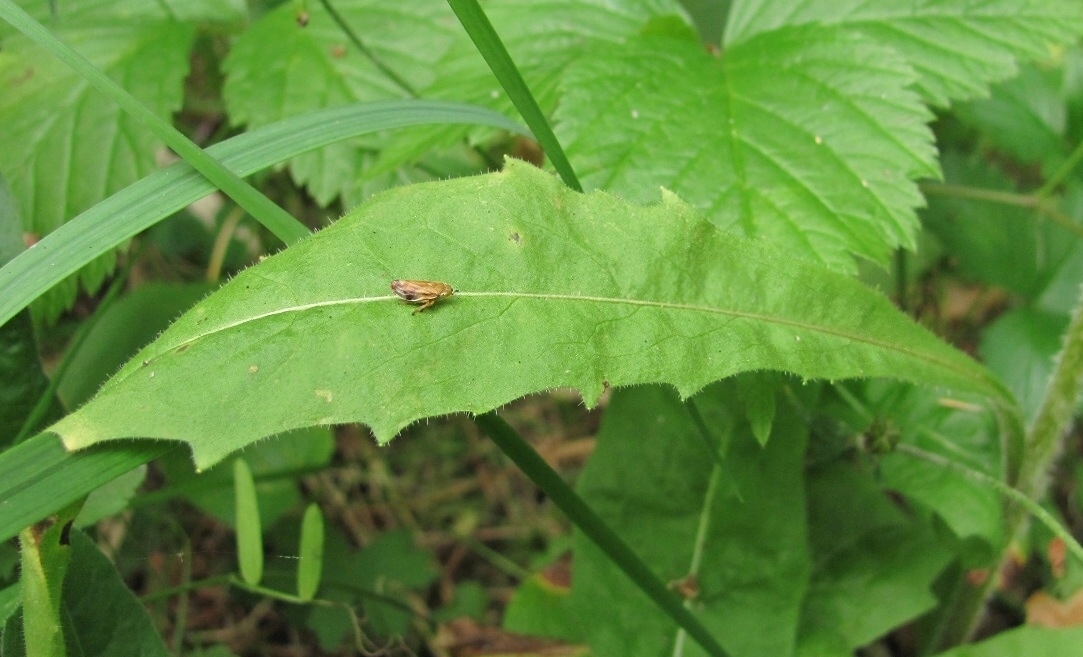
{"x":316,"y":66}
{"x":65,"y":146}
{"x":782,"y":137}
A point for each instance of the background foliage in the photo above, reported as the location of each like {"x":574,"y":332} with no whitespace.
{"x":809,"y":469}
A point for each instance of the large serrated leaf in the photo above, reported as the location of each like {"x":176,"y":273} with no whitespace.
{"x":781,"y":137}
{"x":555,"y":289}
{"x":316,"y":66}
{"x":730,"y":525}
{"x":64,"y":145}
{"x":543,"y":38}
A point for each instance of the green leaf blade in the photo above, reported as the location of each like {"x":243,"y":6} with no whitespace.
{"x":732,"y":525}
{"x":38,"y":477}
{"x":103,"y":612}
{"x":321,"y":69}
{"x":781,"y":137}
{"x":249,"y":528}
{"x":310,"y":565}
{"x":543,"y":39}
{"x":555,"y":289}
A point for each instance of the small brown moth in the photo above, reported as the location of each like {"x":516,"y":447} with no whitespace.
{"x":427,"y":293}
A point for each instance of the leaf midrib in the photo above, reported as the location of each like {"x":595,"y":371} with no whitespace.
{"x":664,"y":305}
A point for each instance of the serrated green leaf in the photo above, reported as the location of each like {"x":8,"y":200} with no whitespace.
{"x":316,"y":67}
{"x":249,"y":528}
{"x":543,"y":38}
{"x":65,"y":146}
{"x":958,"y":47}
{"x":873,"y":136}
{"x":741,"y":561}
{"x":310,"y":564}
{"x":782,"y":137}
{"x":556,"y":289}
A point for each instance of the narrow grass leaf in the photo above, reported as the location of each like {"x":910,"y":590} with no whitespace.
{"x":488,"y":43}
{"x":38,"y":477}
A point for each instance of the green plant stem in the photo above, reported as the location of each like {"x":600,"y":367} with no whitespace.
{"x":1042,"y":446}
{"x":1036,"y":201}
{"x":1032,"y":506}
{"x":704,"y":432}
{"x":235,"y":581}
{"x":44,"y":558}
{"x":1045,"y":435}
{"x":231,"y":579}
{"x":496,"y":559}
{"x":1061,"y":173}
{"x":355,"y":622}
{"x":488,"y":43}
{"x":588,"y":522}
{"x":716,"y":448}
{"x":277,"y":220}
{"x":188,"y":585}
{"x":221,"y":245}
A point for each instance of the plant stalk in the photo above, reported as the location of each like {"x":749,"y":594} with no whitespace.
{"x":1042,"y":446}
